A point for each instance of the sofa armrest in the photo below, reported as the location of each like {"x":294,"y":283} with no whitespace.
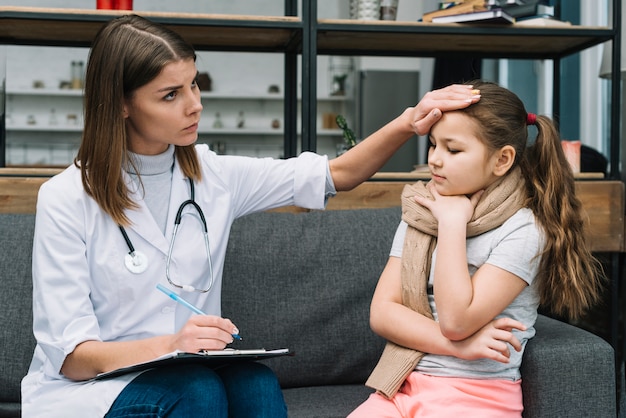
{"x":568,"y":372}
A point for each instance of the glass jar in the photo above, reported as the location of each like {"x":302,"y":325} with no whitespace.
{"x":77,"y":75}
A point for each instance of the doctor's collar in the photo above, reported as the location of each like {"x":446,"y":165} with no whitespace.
{"x":149,"y":165}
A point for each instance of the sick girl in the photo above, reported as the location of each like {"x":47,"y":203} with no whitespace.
{"x":496,"y":232}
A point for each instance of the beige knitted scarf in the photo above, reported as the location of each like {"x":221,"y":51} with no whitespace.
{"x":499,"y":202}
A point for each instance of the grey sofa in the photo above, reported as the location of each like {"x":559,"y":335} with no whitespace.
{"x":304,"y":281}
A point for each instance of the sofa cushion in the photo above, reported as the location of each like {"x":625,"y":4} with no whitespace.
{"x":559,"y":361}
{"x":16,"y":337}
{"x":324,"y":401}
{"x":306,"y":280}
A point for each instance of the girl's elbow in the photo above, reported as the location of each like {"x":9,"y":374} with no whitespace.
{"x":454,"y":331}
{"x":376,"y":321}
{"x":374,"y":324}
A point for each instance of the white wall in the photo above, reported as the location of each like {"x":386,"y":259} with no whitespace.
{"x":592,"y":104}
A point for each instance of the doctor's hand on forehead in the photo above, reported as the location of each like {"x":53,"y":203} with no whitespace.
{"x":204,"y":332}
{"x":435,"y":102}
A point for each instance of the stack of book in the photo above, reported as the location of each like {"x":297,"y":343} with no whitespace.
{"x":532,"y":12}
{"x":468,"y":11}
{"x":527,"y":9}
{"x":449,"y":8}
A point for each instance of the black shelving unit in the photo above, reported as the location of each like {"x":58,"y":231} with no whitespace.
{"x":414,"y":39}
{"x":309,"y":37}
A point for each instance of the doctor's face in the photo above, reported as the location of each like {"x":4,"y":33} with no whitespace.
{"x":164,"y":111}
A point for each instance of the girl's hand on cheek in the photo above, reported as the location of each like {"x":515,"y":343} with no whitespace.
{"x":454,"y":208}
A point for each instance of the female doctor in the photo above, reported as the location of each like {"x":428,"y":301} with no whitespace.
{"x":108,"y":231}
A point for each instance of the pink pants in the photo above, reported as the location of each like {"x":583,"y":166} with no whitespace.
{"x":429,"y":396}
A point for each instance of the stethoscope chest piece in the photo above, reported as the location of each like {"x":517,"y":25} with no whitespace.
{"x":136,"y":262}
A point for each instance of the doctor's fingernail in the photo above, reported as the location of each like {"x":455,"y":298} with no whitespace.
{"x":475,"y":92}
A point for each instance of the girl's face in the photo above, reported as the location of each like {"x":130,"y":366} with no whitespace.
{"x":459,"y":162}
{"x":164,"y":111}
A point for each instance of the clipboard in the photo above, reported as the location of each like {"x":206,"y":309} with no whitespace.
{"x":207,"y":358}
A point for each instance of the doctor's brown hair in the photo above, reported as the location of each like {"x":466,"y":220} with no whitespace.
{"x":127,"y":53}
{"x":570,"y":279}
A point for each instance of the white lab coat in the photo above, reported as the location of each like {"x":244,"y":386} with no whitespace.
{"x":83,"y":291}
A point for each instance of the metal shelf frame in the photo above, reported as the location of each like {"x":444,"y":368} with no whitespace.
{"x":309,"y":37}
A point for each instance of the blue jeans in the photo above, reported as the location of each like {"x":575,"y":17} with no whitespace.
{"x":247,"y":389}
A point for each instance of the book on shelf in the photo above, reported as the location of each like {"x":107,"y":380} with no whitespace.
{"x":454,"y":8}
{"x":528,"y":8}
{"x":493,"y":16}
{"x":542,"y":21}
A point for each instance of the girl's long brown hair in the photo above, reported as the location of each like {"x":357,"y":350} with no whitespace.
{"x":127,"y":53}
{"x":570,"y":279}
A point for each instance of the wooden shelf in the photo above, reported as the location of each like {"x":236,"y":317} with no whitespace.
{"x":417,"y":39}
{"x":603,"y":200}
{"x":423,"y":175}
{"x":12,"y":91}
{"x":77,"y":27}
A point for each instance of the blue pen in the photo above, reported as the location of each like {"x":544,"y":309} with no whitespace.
{"x":187,"y":304}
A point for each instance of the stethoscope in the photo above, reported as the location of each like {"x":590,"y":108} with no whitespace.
{"x":136,"y":261}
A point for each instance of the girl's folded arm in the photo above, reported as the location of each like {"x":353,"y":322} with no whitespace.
{"x":395,"y":322}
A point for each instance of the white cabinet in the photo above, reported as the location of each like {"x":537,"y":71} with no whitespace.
{"x":262,"y":132}
{"x":44,"y":110}
{"x":44,"y":126}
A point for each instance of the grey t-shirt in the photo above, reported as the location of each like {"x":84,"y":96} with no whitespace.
{"x":513,"y":247}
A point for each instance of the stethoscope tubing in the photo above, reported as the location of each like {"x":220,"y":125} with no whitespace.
{"x":136,"y":262}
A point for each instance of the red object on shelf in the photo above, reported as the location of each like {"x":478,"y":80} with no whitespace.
{"x":114,"y":4}
{"x":124,"y":4}
{"x":105,"y":4}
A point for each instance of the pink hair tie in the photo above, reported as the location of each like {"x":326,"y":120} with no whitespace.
{"x":531,"y":118}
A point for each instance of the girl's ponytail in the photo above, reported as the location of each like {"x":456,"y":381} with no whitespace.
{"x":569,"y":279}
